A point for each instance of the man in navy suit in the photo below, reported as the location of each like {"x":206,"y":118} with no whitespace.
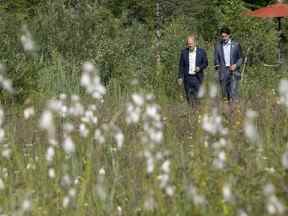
{"x":228,"y":60}
{"x":193,"y":61}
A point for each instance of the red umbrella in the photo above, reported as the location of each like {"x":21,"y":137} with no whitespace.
{"x":277,"y":10}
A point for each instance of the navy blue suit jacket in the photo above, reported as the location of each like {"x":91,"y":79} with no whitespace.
{"x":201,"y":62}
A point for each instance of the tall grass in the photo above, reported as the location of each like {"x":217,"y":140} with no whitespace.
{"x":71,"y":146}
{"x":192,"y":170}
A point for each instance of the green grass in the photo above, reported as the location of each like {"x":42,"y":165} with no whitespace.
{"x":126,"y":183}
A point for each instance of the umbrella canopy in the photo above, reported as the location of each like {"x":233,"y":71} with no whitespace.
{"x":275,"y":10}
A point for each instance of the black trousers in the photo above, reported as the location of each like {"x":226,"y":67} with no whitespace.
{"x":192,"y":85}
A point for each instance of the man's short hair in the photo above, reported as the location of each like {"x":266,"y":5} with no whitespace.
{"x":192,"y":35}
{"x":225,"y":30}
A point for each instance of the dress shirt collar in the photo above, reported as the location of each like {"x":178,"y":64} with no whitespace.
{"x":228,"y":43}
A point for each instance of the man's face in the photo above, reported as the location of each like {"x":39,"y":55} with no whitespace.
{"x":191,"y":43}
{"x":225,"y":37}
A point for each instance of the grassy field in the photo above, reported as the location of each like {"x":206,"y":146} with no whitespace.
{"x":139,"y":154}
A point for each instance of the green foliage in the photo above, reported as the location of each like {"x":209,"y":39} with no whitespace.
{"x":120,"y":38}
{"x":259,"y":36}
{"x":257,"y":3}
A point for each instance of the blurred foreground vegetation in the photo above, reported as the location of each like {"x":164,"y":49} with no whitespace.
{"x":131,"y":153}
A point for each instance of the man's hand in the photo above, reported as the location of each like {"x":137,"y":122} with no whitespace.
{"x":197,"y":69}
{"x":233,"y":67}
{"x":180,"y":81}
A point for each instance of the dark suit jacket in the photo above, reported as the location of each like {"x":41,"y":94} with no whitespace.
{"x":201,"y":62}
{"x":235,"y":58}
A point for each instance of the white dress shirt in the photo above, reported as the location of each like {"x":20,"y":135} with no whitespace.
{"x":227,"y":51}
{"x":192,"y":62}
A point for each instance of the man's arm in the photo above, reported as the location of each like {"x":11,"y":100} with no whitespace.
{"x":216,"y":57}
{"x":204,"y":62}
{"x":239,"y":57}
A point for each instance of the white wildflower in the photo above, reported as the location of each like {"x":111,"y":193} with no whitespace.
{"x":88,"y":67}
{"x":1,"y":116}
{"x":50,"y":154}
{"x":66,"y":201}
{"x":66,"y":181}
{"x":213,"y":123}
{"x":283,"y":91}
{"x":152,"y":112}
{"x":197,"y":198}
{"x":119,"y":137}
{"x":169,"y":190}
{"x":2,"y":135}
{"x":133,"y":113}
{"x":249,"y":126}
{"x":164,"y":180}
{"x":285,"y":160}
{"x":72,"y":192}
{"x":119,"y":210}
{"x":55,"y":105}
{"x":2,"y":185}
{"x":6,"y":153}
{"x":222,"y":156}
{"x":102,"y":171}
{"x":7,"y":85}
{"x":150,"y":165}
{"x":68,"y":127}
{"x":227,"y":193}
{"x":156,"y":136}
{"x":138,"y":99}
{"x":68,"y":145}
{"x":85,"y":80}
{"x":46,"y":121}
{"x":241,"y":212}
{"x":166,"y":166}
{"x":83,"y":130}
{"x":26,"y":205}
{"x":98,"y":136}
{"x":27,"y":42}
{"x":51,"y":173}
{"x":149,"y":203}
{"x":28,"y":112}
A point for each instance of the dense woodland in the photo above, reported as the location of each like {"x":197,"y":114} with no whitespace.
{"x":127,"y":39}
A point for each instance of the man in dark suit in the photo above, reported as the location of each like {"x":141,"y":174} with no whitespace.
{"x":228,"y":60}
{"x":193,"y":61}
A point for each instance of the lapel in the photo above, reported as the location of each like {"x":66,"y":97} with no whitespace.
{"x":231,"y":52}
{"x":197,"y":56}
{"x":187,"y":55}
{"x":222,"y":52}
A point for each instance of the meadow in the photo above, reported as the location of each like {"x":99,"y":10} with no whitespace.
{"x":102,"y":154}
{"x":92,"y":121}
